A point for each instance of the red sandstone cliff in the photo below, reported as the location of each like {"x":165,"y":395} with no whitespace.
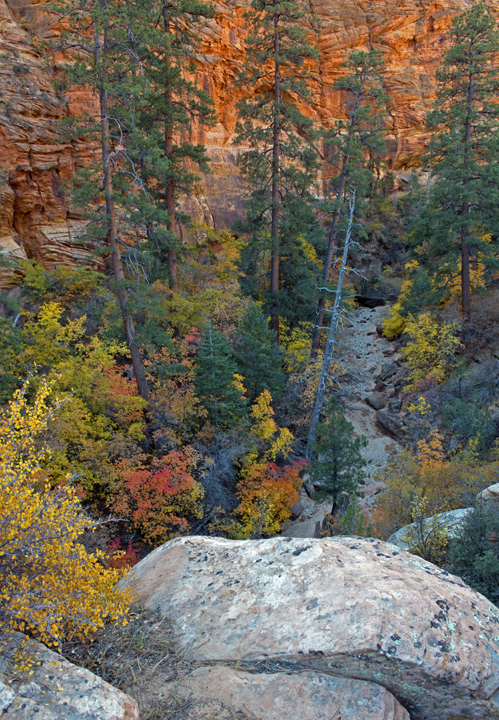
{"x":35,"y":221}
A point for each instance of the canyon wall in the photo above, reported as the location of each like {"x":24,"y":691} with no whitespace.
{"x":35,"y":219}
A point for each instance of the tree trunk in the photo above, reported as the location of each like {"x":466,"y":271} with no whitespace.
{"x":119,"y":275}
{"x":170,"y":185}
{"x":321,"y":391}
{"x":274,"y":230}
{"x":319,"y":319}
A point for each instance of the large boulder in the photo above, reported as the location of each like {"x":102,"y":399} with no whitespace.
{"x":55,"y":689}
{"x":293,"y":695}
{"x":354,"y":608}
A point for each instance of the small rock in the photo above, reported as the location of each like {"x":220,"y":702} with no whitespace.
{"x":389,"y":423}
{"x":380,"y":386}
{"x":297,"y":510}
{"x":317,"y":531}
{"x":310,"y":490}
{"x":388,"y":370}
{"x":379,"y":330}
{"x":376,"y":400}
{"x":395,"y":405}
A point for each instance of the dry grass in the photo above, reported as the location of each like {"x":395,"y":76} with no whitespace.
{"x":143,"y":659}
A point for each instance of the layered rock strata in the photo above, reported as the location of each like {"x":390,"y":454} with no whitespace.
{"x":35,"y":219}
{"x":355,"y":608}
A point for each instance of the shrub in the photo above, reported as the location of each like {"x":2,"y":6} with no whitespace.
{"x":158,"y":499}
{"x":431,"y":348}
{"x":51,"y":587}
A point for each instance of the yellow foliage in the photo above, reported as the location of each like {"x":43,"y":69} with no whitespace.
{"x":431,"y":348}
{"x":264,"y":428}
{"x":427,"y":536}
{"x":51,"y":587}
{"x":296,"y":344}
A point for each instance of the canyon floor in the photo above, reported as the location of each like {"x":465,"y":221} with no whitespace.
{"x":363,"y":354}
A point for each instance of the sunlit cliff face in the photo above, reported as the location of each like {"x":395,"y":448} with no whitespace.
{"x":35,"y":220}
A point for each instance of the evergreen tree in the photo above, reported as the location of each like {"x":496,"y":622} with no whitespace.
{"x":168,"y":110}
{"x":354,"y":149}
{"x":281,"y":164}
{"x":462,"y":207}
{"x":339,"y":467}
{"x":98,"y":32}
{"x":215,"y":383}
{"x":258,"y":358}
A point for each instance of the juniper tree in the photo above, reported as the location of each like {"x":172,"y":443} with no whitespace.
{"x":281,"y":163}
{"x":353,"y":149}
{"x":462,"y":207}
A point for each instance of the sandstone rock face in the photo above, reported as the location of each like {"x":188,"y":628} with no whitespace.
{"x":35,"y":220}
{"x":355,"y":608}
{"x":58,"y":690}
{"x":293,"y":695}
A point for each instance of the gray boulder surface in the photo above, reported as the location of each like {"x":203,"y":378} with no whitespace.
{"x":55,"y":689}
{"x":351,"y":607}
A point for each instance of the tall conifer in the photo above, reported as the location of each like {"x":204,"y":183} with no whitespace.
{"x":462,"y":208}
{"x":281,"y":164}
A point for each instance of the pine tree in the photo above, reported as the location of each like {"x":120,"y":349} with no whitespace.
{"x":98,"y":32}
{"x":463,"y":200}
{"x":169,"y":108}
{"x":258,"y":359}
{"x":339,"y":467}
{"x":354,"y":151}
{"x":281,"y":164}
{"x":215,"y":383}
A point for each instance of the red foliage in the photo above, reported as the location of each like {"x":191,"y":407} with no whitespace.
{"x":156,"y":499}
{"x":116,"y":558}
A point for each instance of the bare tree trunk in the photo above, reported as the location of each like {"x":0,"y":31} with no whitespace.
{"x":321,"y":391}
{"x":119,"y":275}
{"x":274,"y":230}
{"x":316,"y":338}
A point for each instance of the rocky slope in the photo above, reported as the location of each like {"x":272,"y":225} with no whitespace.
{"x":35,"y":220}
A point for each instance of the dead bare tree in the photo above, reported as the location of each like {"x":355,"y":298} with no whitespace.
{"x":331,"y":340}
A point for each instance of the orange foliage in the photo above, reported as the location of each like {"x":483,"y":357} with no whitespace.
{"x":427,"y":476}
{"x":267,"y":494}
{"x":157,"y":500}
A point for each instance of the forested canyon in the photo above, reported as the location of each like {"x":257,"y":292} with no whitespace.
{"x":248,"y":314}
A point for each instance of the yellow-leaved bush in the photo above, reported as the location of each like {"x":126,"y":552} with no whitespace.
{"x":51,"y":587}
{"x":431,"y":348}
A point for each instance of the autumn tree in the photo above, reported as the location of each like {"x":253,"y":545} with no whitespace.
{"x":353,"y":147}
{"x":450,"y":231}
{"x":51,"y":587}
{"x":281,"y":163}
